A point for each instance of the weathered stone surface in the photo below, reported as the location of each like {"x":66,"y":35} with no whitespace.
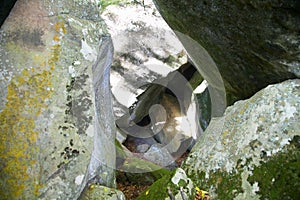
{"x":47,"y":108}
{"x":174,"y":185}
{"x":253,"y":43}
{"x":98,"y":192}
{"x":255,"y":137}
{"x":159,"y":155}
{"x":142,"y":148}
{"x":253,"y":152}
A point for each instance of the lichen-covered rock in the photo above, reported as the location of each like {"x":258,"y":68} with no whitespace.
{"x":253,"y":152}
{"x":47,"y":107}
{"x":174,"y":185}
{"x":98,"y":192}
{"x":253,"y":43}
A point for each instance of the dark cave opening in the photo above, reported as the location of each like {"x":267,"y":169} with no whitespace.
{"x":5,"y":8}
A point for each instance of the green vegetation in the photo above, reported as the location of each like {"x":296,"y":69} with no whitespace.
{"x":279,"y":177}
{"x":227,"y":185}
{"x":157,"y":190}
{"x":105,"y":3}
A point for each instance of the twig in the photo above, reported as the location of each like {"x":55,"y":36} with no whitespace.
{"x":170,"y":194}
{"x":182,"y":194}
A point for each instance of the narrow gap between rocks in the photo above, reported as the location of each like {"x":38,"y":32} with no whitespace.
{"x":152,"y":83}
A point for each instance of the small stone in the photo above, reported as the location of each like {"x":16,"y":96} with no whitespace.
{"x":159,"y":155}
{"x":142,"y":148}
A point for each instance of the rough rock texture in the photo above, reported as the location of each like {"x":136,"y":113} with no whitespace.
{"x":98,"y":192}
{"x":47,"y":110}
{"x":253,"y":43}
{"x":253,"y":152}
{"x":159,"y":155}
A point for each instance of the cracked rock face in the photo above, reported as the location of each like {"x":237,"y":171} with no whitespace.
{"x":253,"y":151}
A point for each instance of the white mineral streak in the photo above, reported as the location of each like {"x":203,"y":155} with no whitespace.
{"x":79,"y":179}
{"x":201,"y":87}
{"x":88,"y":52}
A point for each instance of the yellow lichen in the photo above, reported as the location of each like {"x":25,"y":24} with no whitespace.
{"x":60,"y":27}
{"x":26,"y":98}
{"x":56,"y":38}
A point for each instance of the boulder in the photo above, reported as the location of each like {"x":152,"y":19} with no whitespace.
{"x":253,"y":43}
{"x":252,"y":152}
{"x":56,"y":118}
{"x":159,"y":155}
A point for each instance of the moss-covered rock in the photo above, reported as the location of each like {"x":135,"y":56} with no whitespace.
{"x":98,"y":192}
{"x":253,"y":152}
{"x":158,"y":190}
{"x":250,"y":151}
{"x":253,"y":43}
{"x":278,"y":177}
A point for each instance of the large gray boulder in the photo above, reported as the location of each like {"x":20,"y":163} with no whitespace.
{"x":252,"y":152}
{"x":253,"y":43}
{"x":56,"y":121}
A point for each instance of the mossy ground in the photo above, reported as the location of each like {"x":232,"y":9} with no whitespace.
{"x":278,"y":177}
{"x":157,"y":190}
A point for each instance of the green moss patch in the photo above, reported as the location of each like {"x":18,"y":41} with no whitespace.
{"x":105,"y":3}
{"x":279,"y":177}
{"x":227,"y":185}
{"x":159,"y":189}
